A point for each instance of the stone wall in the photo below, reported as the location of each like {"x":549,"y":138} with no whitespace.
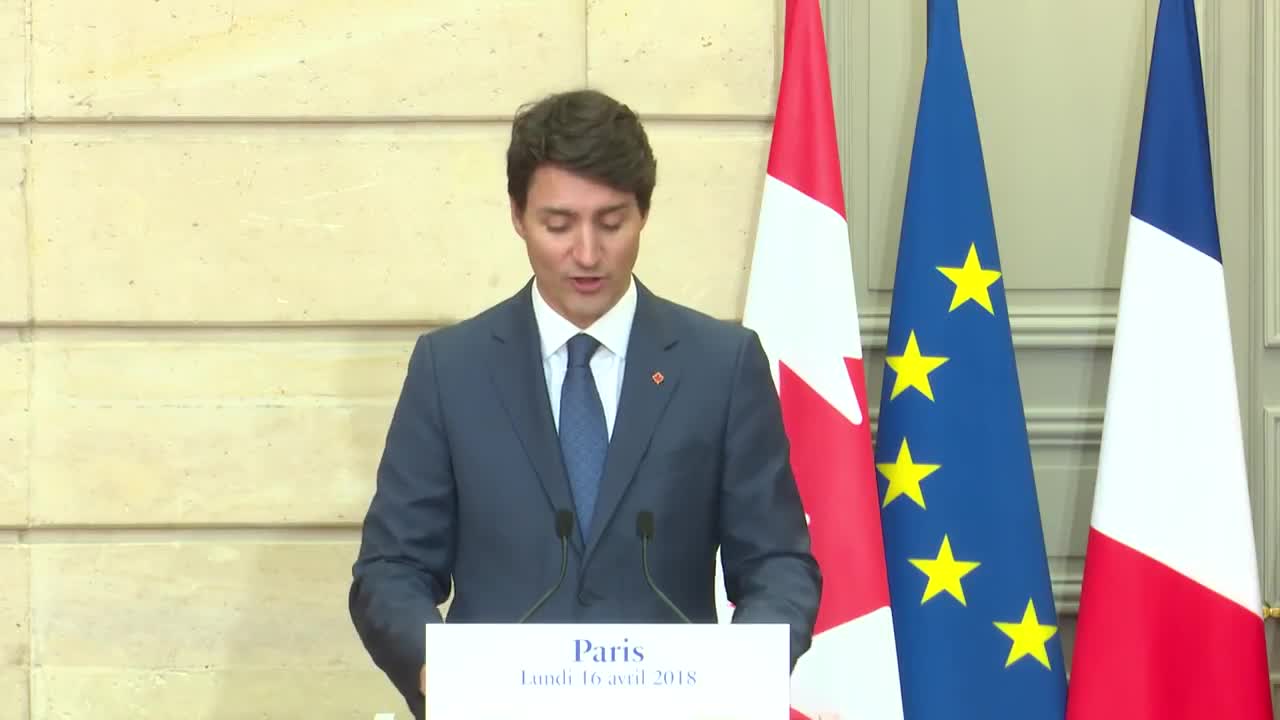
{"x":221,"y":226}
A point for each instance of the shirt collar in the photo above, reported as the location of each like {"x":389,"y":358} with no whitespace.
{"x":613,"y":329}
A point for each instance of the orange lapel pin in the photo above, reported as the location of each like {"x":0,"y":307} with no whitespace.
{"x":657,"y":378}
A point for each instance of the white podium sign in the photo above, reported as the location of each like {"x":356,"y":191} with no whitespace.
{"x":572,"y":671}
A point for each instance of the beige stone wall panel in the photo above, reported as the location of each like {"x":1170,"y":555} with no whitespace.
{"x":125,"y":693}
{"x":300,"y":58}
{"x":194,"y":605}
{"x":211,"y":432}
{"x":13,"y":56}
{"x":14,"y":291}
{"x":676,"y":57}
{"x":238,"y":225}
{"x":15,"y":373}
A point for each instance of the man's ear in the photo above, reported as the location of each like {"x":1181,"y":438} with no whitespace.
{"x":517,"y":217}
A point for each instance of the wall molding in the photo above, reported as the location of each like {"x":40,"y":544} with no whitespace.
{"x":1066,"y":593}
{"x":1048,"y":426}
{"x":1269,"y":156}
{"x":1039,"y":327}
{"x":1264,"y":495}
{"x":1264,"y":487}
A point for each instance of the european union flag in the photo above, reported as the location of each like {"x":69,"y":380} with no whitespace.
{"x":973,"y":608}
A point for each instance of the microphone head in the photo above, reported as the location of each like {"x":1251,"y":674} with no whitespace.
{"x":564,"y":523}
{"x":644,"y":524}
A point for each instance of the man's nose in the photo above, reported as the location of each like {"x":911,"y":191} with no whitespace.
{"x":586,"y":251}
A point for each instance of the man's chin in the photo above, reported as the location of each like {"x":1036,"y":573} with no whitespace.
{"x":583,"y":314}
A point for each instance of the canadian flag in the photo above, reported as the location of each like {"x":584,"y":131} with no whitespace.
{"x":801,"y":301}
{"x":1170,"y":623}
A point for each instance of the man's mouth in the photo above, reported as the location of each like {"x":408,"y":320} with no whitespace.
{"x":587,"y":284}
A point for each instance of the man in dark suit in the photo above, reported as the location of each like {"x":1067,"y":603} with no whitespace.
{"x":586,"y":392}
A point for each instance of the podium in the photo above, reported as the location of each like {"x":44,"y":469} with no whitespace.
{"x":607,"y":671}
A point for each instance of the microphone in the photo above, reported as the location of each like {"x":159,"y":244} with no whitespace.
{"x":644,"y":528}
{"x":564,"y":526}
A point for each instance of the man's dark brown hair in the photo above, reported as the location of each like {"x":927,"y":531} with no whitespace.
{"x":584,"y":132}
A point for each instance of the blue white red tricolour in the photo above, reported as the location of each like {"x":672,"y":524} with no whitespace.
{"x":1170,"y":623}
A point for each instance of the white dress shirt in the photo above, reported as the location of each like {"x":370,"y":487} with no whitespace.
{"x":612,"y":330}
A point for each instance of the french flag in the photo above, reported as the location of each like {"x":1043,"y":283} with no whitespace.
{"x":1170,"y":622}
{"x":802,"y":303}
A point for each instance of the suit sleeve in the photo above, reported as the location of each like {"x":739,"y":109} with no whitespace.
{"x":770,"y":573}
{"x":406,"y":553}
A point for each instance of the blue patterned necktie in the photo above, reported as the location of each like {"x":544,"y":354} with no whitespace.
{"x":584,"y":437}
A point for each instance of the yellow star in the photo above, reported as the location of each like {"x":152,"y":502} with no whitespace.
{"x":904,"y":476}
{"x":972,"y":281}
{"x":944,"y":572}
{"x":1029,"y":637}
{"x":913,"y":369}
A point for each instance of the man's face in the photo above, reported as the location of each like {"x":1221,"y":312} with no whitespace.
{"x":582,"y":238}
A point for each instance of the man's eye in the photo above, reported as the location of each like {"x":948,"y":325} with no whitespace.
{"x":558,"y":228}
{"x":612,"y":228}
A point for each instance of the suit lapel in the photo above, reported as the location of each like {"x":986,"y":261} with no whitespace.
{"x":516,"y":367}
{"x":644,"y":397}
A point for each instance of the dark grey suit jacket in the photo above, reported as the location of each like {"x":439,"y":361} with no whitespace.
{"x":471,"y":477}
